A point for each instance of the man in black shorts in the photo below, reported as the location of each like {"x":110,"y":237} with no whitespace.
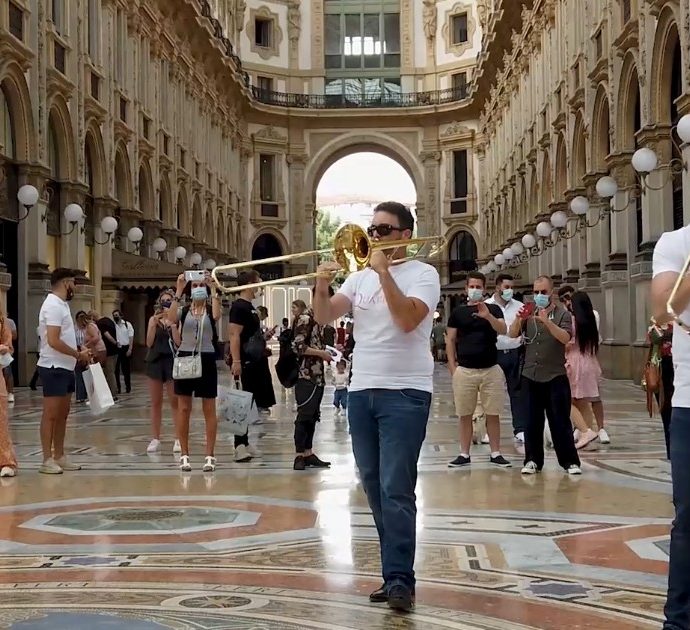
{"x":57,"y":359}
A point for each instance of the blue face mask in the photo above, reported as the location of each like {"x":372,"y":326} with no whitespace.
{"x":474,"y":294}
{"x":542,"y":301}
{"x":199,"y":293}
{"x":507,"y":294}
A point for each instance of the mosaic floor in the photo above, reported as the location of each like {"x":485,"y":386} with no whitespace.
{"x":131,"y":543}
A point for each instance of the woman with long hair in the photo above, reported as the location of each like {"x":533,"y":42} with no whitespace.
{"x":198,"y":335}
{"x":162,"y":340}
{"x":661,"y":356}
{"x":8,"y":458}
{"x":582,"y":364}
{"x":308,"y":344}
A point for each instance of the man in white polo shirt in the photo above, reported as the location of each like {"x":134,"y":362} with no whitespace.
{"x":57,"y":359}
{"x":509,"y":352}
{"x":392,"y":382}
{"x":670,"y":254}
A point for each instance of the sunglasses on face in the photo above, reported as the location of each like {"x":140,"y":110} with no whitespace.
{"x":542,"y":292}
{"x":382,"y":229}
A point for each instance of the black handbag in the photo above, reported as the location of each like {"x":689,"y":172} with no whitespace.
{"x":254,"y":348}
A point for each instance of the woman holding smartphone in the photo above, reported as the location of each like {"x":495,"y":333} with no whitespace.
{"x":162,"y":339}
{"x":197,"y":328}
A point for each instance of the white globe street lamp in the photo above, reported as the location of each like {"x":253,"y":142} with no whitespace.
{"x":559,"y":219}
{"x":210,"y":264}
{"x":109,"y":227}
{"x":508,"y":253}
{"x":644,"y":160}
{"x":500,"y":260}
{"x":607,"y":187}
{"x":579,"y":205}
{"x":195,"y":259}
{"x":528,"y":241}
{"x":518,"y":248}
{"x":27,"y":195}
{"x":159,"y":245}
{"x":180,"y":253}
{"x":683,"y":129}
{"x":544,"y":229}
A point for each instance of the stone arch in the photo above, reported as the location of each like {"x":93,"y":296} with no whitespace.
{"x":182,"y":212}
{"x":350,"y":143}
{"x":578,"y":167}
{"x":60,"y":123}
{"x":165,"y":208}
{"x":275,"y":234}
{"x":123,"y":178}
{"x":601,"y":131}
{"x":197,"y":219}
{"x":561,"y":174}
{"x":147,"y":201}
{"x":628,"y":104}
{"x":666,"y":47}
{"x":16,"y":93}
{"x":94,"y":161}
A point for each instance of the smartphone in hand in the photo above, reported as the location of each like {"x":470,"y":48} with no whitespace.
{"x":527,"y":310}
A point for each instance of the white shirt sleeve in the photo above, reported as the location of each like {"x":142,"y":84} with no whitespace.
{"x":130,"y":330}
{"x":669,"y":253}
{"x":53,"y":314}
{"x":349,"y":287}
{"x":427,"y":288}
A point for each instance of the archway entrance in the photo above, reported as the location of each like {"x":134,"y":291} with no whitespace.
{"x":268,"y":246}
{"x":352,"y":186}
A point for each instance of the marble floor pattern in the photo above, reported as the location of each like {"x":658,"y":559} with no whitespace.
{"x":131,"y":543}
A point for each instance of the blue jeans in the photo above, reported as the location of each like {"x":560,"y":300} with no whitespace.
{"x":340,"y":398}
{"x":677,"y":608}
{"x":388,"y":428}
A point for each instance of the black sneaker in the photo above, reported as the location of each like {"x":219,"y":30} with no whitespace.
{"x":460,"y":461}
{"x":400,"y":598}
{"x":312,"y":461}
{"x":501,"y":461}
{"x":380,"y":595}
{"x":299,"y":463}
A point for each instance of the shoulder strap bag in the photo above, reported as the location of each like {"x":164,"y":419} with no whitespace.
{"x":189,"y":367}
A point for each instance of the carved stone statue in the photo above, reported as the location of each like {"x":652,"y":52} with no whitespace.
{"x":430,"y":19}
{"x":294,"y":20}
{"x":482,"y":12}
{"x":240,"y":8}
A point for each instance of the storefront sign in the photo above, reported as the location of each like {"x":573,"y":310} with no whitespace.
{"x":131,"y":267}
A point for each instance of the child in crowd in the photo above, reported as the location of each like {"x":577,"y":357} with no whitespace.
{"x":340,"y":381}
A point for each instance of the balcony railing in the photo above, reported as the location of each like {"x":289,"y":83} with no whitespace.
{"x":352,"y":101}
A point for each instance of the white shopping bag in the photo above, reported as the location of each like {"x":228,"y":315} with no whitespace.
{"x":237,"y":408}
{"x":100,"y":396}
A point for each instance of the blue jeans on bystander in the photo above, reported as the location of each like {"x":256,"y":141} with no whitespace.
{"x":388,"y":428}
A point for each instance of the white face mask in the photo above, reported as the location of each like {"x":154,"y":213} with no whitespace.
{"x":474,"y":294}
{"x":507,"y":294}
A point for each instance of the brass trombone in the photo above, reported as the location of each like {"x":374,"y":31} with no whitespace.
{"x":670,"y":307}
{"x":352,"y":250}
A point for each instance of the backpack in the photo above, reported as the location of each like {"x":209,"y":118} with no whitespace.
{"x":214,"y":329}
{"x":288,"y":364}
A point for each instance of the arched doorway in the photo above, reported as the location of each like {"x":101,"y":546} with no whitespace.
{"x":267,"y":246}
{"x":462,"y":256}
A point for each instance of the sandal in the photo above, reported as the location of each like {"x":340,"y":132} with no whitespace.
{"x":209,"y":464}
{"x":185,"y":466}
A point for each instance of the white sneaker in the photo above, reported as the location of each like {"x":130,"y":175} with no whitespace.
{"x":185,"y":466}
{"x":604,"y":437}
{"x":576,"y":435}
{"x":176,"y":447}
{"x":485,"y":439}
{"x":67,"y":465}
{"x":242,"y":454}
{"x":574,"y":470}
{"x":10,"y":398}
{"x":154,"y":446}
{"x":530,"y":468}
{"x":6,"y":471}
{"x":50,"y":467}
{"x":520,"y":437}
{"x":209,"y":464}
{"x":253,"y":451}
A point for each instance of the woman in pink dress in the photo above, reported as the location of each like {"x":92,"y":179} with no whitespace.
{"x":582,"y":363}
{"x":8,"y":459}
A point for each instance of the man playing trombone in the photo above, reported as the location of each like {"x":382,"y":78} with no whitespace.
{"x":392,"y":302}
{"x":671,"y":302}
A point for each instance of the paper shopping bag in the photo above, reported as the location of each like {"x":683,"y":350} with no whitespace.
{"x":97,"y":390}
{"x":237,"y":408}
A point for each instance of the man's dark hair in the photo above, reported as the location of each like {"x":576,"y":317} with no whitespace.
{"x":565,"y":289}
{"x":250,"y":276}
{"x":401,"y":211}
{"x":60,"y":274}
{"x":501,"y":277}
{"x":476,"y":275}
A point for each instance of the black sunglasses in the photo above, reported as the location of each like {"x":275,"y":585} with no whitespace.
{"x":382,"y":229}
{"x":542,"y":292}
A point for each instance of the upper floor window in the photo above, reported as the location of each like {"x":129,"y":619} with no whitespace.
{"x":263,"y":32}
{"x":458,"y":204}
{"x":93,"y":29}
{"x":626,"y":10}
{"x":362,"y":40}
{"x":265,"y":84}
{"x":459,"y":28}
{"x":459,"y":84}
{"x":16,"y":15}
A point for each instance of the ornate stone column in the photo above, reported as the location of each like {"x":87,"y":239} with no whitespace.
{"x":294,"y":19}
{"x":302,"y":210}
{"x":429,"y":219}
{"x":102,"y":255}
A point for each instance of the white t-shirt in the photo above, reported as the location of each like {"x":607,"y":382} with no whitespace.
{"x":669,"y":255}
{"x":385,"y":357}
{"x":125,"y":333}
{"x":510,"y":311}
{"x":55,"y":312}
